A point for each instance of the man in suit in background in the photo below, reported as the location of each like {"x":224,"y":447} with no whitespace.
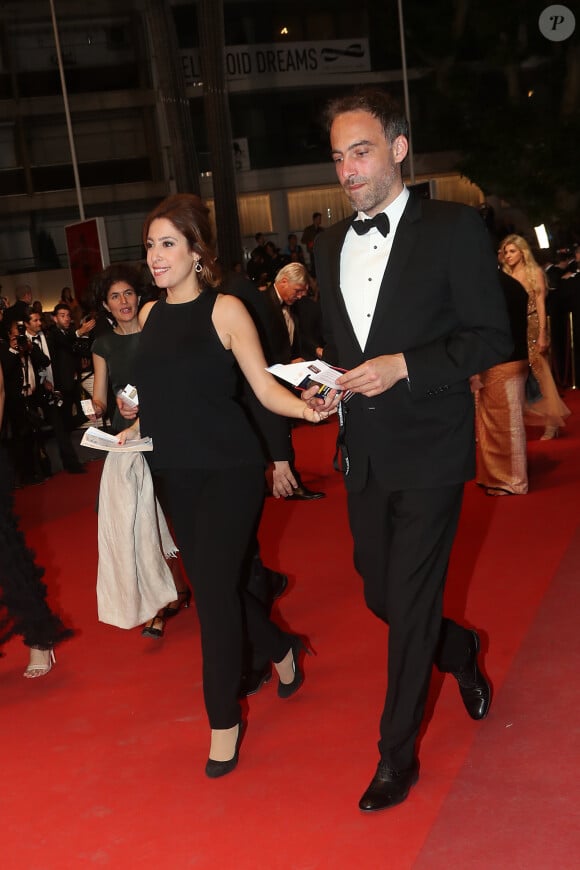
{"x":412,"y":308}
{"x":65,"y":351}
{"x":51,"y":403}
{"x":271,"y":311}
{"x":22,"y":363}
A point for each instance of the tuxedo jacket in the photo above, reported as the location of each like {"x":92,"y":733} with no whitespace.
{"x":63,"y":346}
{"x":309,"y":324}
{"x":14,"y":375}
{"x":272,"y":429}
{"x":441,"y":305}
{"x":516,"y":300}
{"x":275,"y":337}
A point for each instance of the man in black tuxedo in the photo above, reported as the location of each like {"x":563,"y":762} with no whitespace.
{"x":271,"y":311}
{"x":65,"y":345}
{"x":280,"y":336}
{"x":49,"y":402}
{"x":412,"y":308}
{"x":22,"y":363}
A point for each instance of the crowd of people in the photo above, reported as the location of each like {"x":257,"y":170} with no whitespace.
{"x":266,"y":259}
{"x":413,"y":343}
{"x":563,"y":306}
{"x":44,"y":364}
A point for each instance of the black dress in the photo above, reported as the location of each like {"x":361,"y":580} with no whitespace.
{"x":212,"y":465}
{"x":188,"y":387}
{"x":23,"y":607}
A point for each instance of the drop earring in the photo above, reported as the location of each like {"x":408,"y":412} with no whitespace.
{"x":198,"y":267}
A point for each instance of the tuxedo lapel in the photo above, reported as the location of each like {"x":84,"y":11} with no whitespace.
{"x":403,"y":246}
{"x":335,"y":282}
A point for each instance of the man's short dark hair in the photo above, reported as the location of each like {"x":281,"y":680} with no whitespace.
{"x":378,"y":103}
{"x":61,"y":306}
{"x":316,"y":214}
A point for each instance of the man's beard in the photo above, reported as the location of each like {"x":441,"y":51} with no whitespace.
{"x":375,"y":192}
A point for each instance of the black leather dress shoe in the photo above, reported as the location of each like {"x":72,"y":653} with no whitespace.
{"x":301,"y":493}
{"x":474,"y":688}
{"x":252,"y":681}
{"x":388,"y":787}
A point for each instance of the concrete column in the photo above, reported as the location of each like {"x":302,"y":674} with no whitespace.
{"x":217,"y":115}
{"x":177,"y":134}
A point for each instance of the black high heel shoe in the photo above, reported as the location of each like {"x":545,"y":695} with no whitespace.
{"x":154,"y":628}
{"x":297,"y":645}
{"x":183,"y":602}
{"x":215,"y":769}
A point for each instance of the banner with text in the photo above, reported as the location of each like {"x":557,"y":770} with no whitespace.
{"x":285,"y":59}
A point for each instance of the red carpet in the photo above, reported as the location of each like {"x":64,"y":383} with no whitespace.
{"x":523,"y":801}
{"x":103,"y":758}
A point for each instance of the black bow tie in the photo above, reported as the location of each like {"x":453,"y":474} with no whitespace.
{"x":380,"y":221}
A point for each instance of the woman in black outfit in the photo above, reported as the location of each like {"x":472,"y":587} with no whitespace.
{"x":23,"y":607}
{"x":205,"y":450}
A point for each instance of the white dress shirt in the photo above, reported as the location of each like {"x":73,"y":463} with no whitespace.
{"x":40,"y":338}
{"x":28,"y":375}
{"x":363,"y":261}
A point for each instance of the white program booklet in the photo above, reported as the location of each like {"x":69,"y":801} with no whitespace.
{"x":303,"y":375}
{"x":103,"y":441}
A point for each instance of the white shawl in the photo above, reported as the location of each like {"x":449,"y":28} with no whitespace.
{"x":133,"y":580}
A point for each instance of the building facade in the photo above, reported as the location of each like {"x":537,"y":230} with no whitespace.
{"x":132,"y":75}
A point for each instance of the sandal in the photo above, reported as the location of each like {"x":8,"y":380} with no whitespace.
{"x":42,"y":666}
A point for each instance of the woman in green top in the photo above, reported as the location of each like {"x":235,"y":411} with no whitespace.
{"x":118,"y":290}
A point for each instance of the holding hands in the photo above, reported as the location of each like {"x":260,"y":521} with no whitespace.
{"x":371,"y":378}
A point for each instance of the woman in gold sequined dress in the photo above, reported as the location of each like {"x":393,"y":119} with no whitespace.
{"x":518,"y":261}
